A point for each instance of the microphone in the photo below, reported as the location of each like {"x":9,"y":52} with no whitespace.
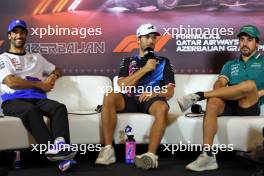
{"x":149,"y":53}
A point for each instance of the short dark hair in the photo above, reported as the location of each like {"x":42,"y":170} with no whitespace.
{"x":257,"y":40}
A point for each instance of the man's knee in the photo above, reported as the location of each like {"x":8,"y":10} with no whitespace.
{"x":163,"y":107}
{"x":32,"y":112}
{"x":57,"y":106}
{"x":109,"y":98}
{"x":248,"y":86}
{"x":61,"y":106}
{"x":114,"y":100}
{"x":215,"y":104}
{"x":159,"y":108}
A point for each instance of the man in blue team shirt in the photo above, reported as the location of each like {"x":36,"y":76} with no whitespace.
{"x":237,"y":92}
{"x":144,"y":76}
{"x":23,"y":91}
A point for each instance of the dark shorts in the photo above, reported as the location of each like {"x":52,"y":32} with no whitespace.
{"x":232,"y":108}
{"x":133,"y":105}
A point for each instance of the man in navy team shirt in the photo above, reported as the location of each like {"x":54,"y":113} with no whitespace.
{"x":149,"y":83}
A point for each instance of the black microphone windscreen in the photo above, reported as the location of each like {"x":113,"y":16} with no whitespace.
{"x":148,"y":53}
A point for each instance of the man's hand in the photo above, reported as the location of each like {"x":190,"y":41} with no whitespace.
{"x":146,"y":96}
{"x":52,"y":78}
{"x":46,"y":85}
{"x":260,"y":93}
{"x":150,"y":65}
{"x":132,"y":80}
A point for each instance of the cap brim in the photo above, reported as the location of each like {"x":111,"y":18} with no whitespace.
{"x":246,"y":33}
{"x":21,"y":26}
{"x":156,"y":33}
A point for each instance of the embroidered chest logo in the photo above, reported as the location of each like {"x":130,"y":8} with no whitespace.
{"x":234,"y":70}
{"x":256,"y":65}
{"x":17,"y":64}
{"x":133,"y":67}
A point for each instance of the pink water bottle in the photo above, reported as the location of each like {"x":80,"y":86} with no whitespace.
{"x":130,"y":146}
{"x":130,"y":149}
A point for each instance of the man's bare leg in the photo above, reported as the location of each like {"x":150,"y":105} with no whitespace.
{"x":215,"y":107}
{"x":207,"y":161}
{"x":112,"y":103}
{"x":159,"y":110}
{"x":245,"y":91}
{"x":246,"y":95}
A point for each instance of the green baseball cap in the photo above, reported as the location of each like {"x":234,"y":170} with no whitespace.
{"x":249,"y":30}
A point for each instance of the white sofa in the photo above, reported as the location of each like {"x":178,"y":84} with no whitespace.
{"x":81,"y":94}
{"x":243,"y":132}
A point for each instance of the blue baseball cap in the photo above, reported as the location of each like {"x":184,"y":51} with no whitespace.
{"x":17,"y":23}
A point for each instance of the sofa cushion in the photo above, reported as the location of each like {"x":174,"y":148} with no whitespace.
{"x":80,"y":93}
{"x":13,"y":134}
{"x":244,"y":133}
{"x":85,"y":129}
{"x":140,"y":123}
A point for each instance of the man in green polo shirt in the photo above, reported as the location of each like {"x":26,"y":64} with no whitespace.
{"x":237,"y":91}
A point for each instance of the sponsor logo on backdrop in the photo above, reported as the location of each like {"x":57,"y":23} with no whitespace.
{"x":129,"y":43}
{"x":187,"y":38}
{"x":204,"y":39}
{"x":67,"y":48}
{"x":190,"y":39}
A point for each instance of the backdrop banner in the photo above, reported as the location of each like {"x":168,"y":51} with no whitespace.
{"x":86,"y":37}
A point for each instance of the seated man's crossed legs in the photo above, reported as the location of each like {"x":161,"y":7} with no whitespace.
{"x":239,"y":100}
{"x":31,"y":112}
